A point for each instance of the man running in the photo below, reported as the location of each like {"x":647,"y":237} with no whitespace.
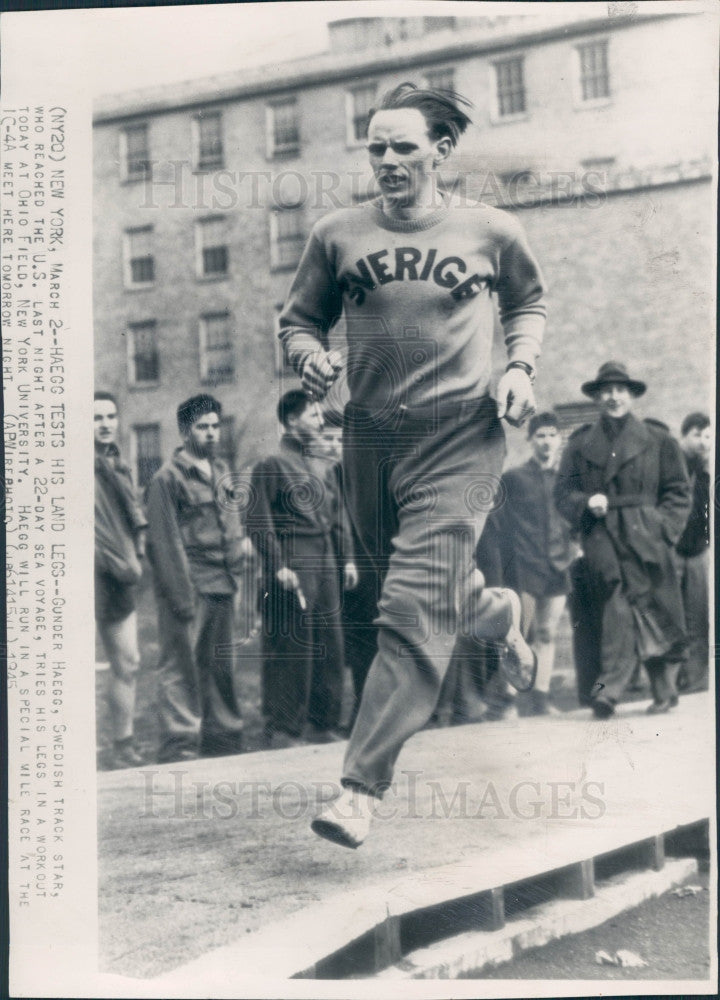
{"x":423,"y":443}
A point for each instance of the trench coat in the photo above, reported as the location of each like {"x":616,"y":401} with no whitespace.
{"x":630,"y":549}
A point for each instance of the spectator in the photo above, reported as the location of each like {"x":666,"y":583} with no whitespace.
{"x":622,"y":485}
{"x":119,"y":546}
{"x":693,"y":551}
{"x":291,"y":521}
{"x":197,"y":553}
{"x":537,"y":546}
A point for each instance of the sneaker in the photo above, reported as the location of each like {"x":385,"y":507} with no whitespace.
{"x":517,"y":660}
{"x":346,"y":820}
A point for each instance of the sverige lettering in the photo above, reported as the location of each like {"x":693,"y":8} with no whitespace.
{"x":409,"y":264}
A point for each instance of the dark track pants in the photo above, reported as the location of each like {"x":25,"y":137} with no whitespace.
{"x":198,"y":706}
{"x":419,"y":492}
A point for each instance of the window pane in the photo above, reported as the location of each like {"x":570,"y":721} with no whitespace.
{"x":289,"y":237}
{"x":217,"y":360}
{"x":142,"y":270}
{"x":363,"y":100}
{"x":285,"y":125}
{"x":510,"y":87}
{"x":137,"y":150}
{"x":145,"y":358}
{"x":215,"y":260}
{"x":210,"y":147}
{"x":441,"y":79}
{"x":594,"y":71}
{"x":147,"y":450}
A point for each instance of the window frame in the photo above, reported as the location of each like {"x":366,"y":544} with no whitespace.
{"x":128,"y":176}
{"x":580,"y":101}
{"x":128,"y":259}
{"x":276,"y":263}
{"x":496,"y":117}
{"x":444,"y":69}
{"x":274,"y":151}
{"x":200,"y":273}
{"x":203,"y":351}
{"x":133,"y":381}
{"x":351,"y":141}
{"x":219,"y":162}
{"x":135,"y":453}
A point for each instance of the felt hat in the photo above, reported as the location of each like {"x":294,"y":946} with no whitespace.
{"x":613,"y":371}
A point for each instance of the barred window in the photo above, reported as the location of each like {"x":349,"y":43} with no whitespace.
{"x":359,"y":104}
{"x":283,"y":128}
{"x":211,"y":247}
{"x":510,"y":84}
{"x":143,"y":355}
{"x":139,"y":259}
{"x":208,"y":140}
{"x":287,"y":236}
{"x":217,"y":362}
{"x":441,"y":79}
{"x":594,"y":71}
{"x":137,"y":153}
{"x":148,"y":457}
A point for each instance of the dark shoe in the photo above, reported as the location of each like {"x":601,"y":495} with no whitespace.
{"x":674,"y":700}
{"x":124,"y":755}
{"x":602,"y":709}
{"x":175,"y":755}
{"x":517,"y":660}
{"x":539,"y":704}
{"x":284,"y":741}
{"x":659,"y":707}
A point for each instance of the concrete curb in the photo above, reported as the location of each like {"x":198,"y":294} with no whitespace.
{"x":539,"y":925}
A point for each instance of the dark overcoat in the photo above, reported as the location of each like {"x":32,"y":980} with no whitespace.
{"x":643,"y":475}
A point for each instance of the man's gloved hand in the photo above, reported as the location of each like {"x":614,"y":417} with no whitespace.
{"x":515,"y":397}
{"x":319,"y":371}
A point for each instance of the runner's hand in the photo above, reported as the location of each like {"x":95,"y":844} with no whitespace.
{"x":515,"y":397}
{"x":319,"y":372}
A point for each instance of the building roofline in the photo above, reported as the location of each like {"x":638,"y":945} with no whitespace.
{"x":328,"y":67}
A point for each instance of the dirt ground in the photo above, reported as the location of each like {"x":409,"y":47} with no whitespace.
{"x":670,"y":933}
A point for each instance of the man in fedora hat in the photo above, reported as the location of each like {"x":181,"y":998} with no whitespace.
{"x":622,"y":485}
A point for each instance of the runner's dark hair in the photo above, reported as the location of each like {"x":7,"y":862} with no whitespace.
{"x":441,"y":109}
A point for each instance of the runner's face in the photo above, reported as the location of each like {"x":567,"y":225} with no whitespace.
{"x":402,"y":155}
{"x":545,"y":444}
{"x":105,"y":422}
{"x":615,"y":399}
{"x":204,"y":435}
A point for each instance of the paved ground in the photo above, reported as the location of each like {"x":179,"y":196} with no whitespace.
{"x":670,"y":933}
{"x":195,"y":856}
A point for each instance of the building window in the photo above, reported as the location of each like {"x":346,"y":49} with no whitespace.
{"x":138,"y":257}
{"x":211,"y":247}
{"x":441,"y":79}
{"x":283,"y":130}
{"x":143,"y":355}
{"x":208,"y":140}
{"x":594,"y":71}
{"x":359,"y":103}
{"x":217,"y":362}
{"x":227,"y":445}
{"x":510,"y":87}
{"x":287,"y":237}
{"x":148,"y":457}
{"x":136,"y":154}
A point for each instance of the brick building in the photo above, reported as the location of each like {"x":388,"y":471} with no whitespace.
{"x":598,"y":130}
